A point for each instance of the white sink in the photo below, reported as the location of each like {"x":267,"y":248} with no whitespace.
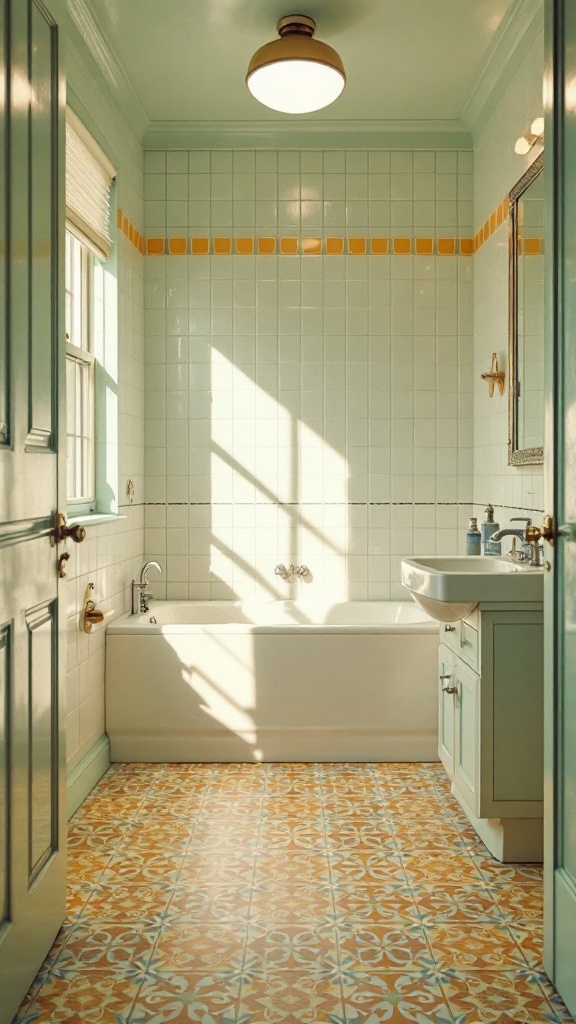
{"x":449,"y":587}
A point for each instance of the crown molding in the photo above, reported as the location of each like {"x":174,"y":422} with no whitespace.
{"x":104,"y":64}
{"x":519,"y":29}
{"x":317,"y":134}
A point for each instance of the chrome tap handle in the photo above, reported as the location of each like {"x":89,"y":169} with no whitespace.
{"x":521,"y":519}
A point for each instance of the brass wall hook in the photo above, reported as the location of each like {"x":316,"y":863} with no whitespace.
{"x":90,"y":613}
{"x":494,"y":376}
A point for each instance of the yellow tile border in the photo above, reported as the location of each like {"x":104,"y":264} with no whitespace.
{"x":331,"y":245}
{"x":130,"y":231}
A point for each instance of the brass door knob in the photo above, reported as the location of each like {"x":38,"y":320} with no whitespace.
{"x":545,"y":532}
{"x":62,"y":531}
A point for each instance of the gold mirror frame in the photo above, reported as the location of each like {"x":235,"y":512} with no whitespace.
{"x":517,"y":456}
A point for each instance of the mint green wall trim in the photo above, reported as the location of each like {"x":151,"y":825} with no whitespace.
{"x":104,"y":64}
{"x":85,"y":775}
{"x":307,"y":135}
{"x":518,"y":32}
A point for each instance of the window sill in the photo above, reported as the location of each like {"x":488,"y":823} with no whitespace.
{"x":95,"y":518}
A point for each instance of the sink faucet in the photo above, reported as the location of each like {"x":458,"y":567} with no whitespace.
{"x":530,"y":551}
{"x":143,"y":595}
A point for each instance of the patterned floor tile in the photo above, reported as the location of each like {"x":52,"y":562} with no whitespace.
{"x":211,"y":903}
{"x":268,"y":893}
{"x":292,"y":904}
{"x":188,"y":945}
{"x":387,"y":947}
{"x":497,"y":997}
{"x":220,"y":867}
{"x":288,"y":947}
{"x":144,"y":903}
{"x":298,"y":834}
{"x":138,"y":867}
{"x":291,"y":996}
{"x":396,"y":998}
{"x":529,"y":937}
{"x":82,"y":997}
{"x":441,"y":865}
{"x":366,"y":867}
{"x":291,"y":868}
{"x":107,"y":946}
{"x":519,"y":903}
{"x":474,"y":947}
{"x":184,"y":997}
{"x":464,"y":903}
{"x":360,"y":834}
{"x":92,"y":836}
{"x":380,"y":905}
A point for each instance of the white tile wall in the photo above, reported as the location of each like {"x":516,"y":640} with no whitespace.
{"x":112,"y":553}
{"x":306,"y":409}
{"x":512,"y":490}
{"x":243,"y":193}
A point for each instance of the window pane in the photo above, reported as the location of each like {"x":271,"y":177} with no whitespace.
{"x":79,"y":428}
{"x":79,"y":372}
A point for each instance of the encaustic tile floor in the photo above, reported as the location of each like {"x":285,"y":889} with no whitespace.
{"x":256,"y":894}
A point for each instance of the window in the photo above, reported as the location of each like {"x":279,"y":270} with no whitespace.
{"x":80,"y":392}
{"x":89,"y":176}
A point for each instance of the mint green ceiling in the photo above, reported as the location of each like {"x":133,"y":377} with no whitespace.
{"x":405,"y":60}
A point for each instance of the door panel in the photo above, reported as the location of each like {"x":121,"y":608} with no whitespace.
{"x":560,"y":495}
{"x":446,"y":661}
{"x":32,"y":754}
{"x":467,"y":732}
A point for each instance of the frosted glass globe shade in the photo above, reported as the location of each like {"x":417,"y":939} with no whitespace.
{"x":296,"y":86}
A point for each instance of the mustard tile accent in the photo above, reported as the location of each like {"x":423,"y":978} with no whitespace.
{"x":424,"y":246}
{"x":119,"y":216}
{"x":289,"y":246}
{"x":199,"y":246}
{"x":177,"y":246}
{"x":222,"y":246}
{"x":266,"y":246}
{"x":244,"y":246}
{"x":446,"y":246}
{"x":379,"y":246}
{"x":334,"y":246}
{"x":312,"y":246}
{"x":155,"y":246}
{"x":533,"y":246}
{"x":467,"y":246}
{"x":357,"y":246}
{"x":402,"y":246}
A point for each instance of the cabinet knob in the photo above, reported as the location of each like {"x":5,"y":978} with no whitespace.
{"x":447,"y":689}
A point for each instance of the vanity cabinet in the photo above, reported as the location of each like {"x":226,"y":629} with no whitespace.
{"x":490,"y":684}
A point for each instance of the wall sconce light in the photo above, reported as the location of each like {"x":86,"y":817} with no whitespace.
{"x":494,"y":376}
{"x":534,"y":134}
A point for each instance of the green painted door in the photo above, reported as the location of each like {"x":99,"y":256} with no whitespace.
{"x":560,"y":470}
{"x":32,"y":755}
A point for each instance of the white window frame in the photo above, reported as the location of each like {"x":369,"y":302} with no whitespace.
{"x":83,"y":355}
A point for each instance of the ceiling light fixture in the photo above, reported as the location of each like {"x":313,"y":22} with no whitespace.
{"x":296,"y":74}
{"x":534,"y":134}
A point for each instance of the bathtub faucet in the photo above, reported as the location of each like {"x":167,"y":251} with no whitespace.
{"x":140,"y":605}
{"x":293,"y":570}
{"x":300,"y":570}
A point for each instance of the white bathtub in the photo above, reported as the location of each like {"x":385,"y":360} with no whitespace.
{"x":284,"y":681}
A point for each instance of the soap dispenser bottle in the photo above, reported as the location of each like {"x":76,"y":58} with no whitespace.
{"x":489,"y":527}
{"x":473,"y":537}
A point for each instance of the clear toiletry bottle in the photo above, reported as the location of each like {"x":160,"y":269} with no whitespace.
{"x":489,"y":527}
{"x":473,"y":538}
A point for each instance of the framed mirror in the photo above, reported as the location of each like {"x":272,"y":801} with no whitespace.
{"x":526,"y":319}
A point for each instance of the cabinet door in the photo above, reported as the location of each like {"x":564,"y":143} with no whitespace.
{"x":467,"y":732}
{"x":446,"y":662}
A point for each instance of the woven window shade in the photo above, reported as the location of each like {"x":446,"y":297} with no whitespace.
{"x":89,"y":176}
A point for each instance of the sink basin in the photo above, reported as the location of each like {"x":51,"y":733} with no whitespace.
{"x":449,"y":587}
